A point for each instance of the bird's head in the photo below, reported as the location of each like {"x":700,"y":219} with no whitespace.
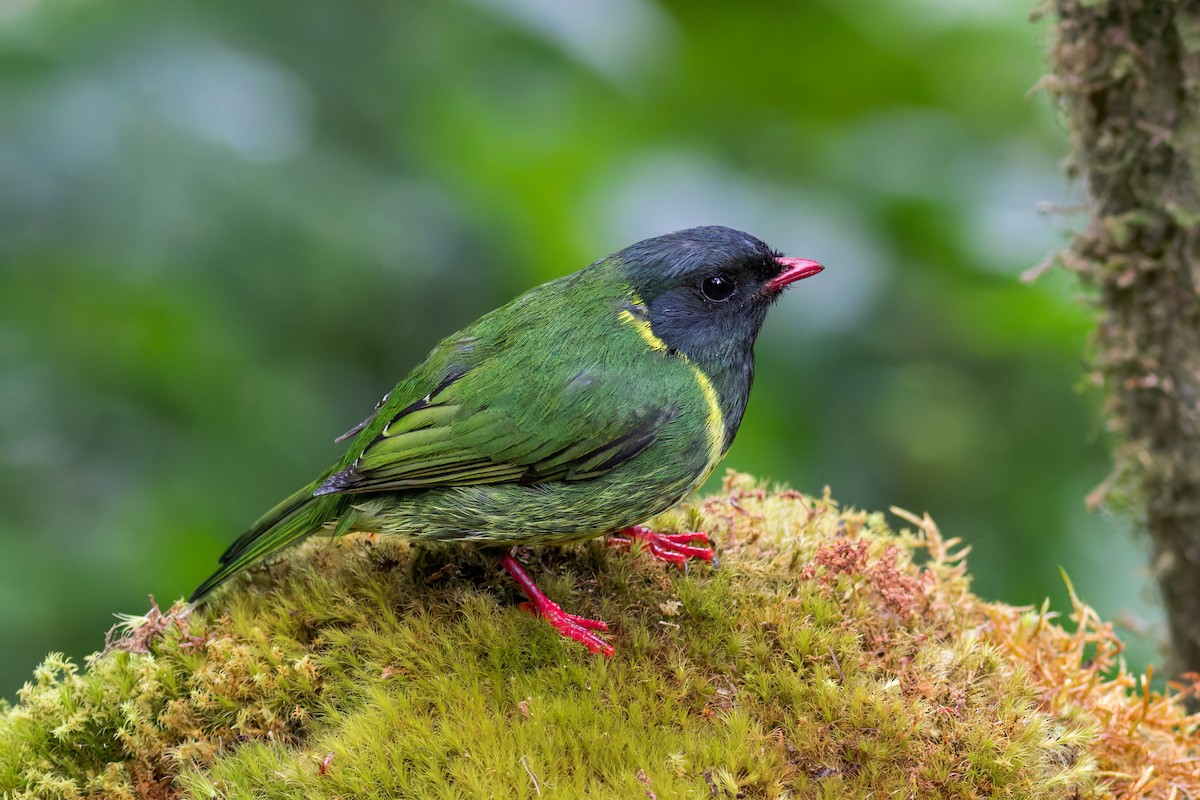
{"x":707,"y":290}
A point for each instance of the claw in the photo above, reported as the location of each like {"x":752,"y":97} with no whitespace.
{"x":674,"y":548}
{"x":571,"y":626}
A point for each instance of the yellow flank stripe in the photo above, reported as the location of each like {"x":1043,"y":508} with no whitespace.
{"x":643,"y":328}
{"x":716,"y":420}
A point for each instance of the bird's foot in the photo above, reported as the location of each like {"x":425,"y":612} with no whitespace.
{"x":571,"y":626}
{"x":674,"y":548}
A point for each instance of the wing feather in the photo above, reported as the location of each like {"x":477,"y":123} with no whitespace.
{"x":454,"y":441}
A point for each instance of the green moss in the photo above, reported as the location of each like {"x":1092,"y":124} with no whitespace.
{"x":817,"y":661}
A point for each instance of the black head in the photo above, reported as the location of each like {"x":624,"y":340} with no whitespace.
{"x":707,"y":290}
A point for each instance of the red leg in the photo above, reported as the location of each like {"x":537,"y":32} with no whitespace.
{"x":674,"y":548}
{"x":570,"y":625}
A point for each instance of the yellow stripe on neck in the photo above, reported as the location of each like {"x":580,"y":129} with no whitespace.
{"x":715,"y":423}
{"x":715,"y":419}
{"x":642,"y":326}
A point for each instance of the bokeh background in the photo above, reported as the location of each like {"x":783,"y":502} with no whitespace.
{"x":227,"y":228}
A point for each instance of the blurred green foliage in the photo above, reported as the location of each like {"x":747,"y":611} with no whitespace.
{"x":226,"y":229}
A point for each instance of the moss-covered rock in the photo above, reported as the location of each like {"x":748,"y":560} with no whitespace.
{"x":827,"y":657}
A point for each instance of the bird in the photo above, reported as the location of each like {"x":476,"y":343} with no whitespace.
{"x":580,"y":409}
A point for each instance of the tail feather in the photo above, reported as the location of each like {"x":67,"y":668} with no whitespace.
{"x":292,"y":520}
{"x":267,"y":521}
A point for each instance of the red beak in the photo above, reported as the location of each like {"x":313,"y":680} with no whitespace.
{"x":794,"y":269}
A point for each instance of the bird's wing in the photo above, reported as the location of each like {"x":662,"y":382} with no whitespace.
{"x":495,"y":424}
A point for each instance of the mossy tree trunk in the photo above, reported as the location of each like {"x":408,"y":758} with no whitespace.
{"x":1126,"y":72}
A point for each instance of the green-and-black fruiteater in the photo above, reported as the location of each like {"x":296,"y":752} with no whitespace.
{"x":581,"y":408}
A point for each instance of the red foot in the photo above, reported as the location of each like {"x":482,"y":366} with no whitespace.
{"x":670,"y":547}
{"x":570,"y":625}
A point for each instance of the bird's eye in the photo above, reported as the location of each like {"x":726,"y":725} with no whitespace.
{"x":718,"y":288}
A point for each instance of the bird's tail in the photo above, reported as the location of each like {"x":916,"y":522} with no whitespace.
{"x":287,"y":523}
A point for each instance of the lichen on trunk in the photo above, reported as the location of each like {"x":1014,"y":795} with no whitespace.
{"x":1126,"y":72}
